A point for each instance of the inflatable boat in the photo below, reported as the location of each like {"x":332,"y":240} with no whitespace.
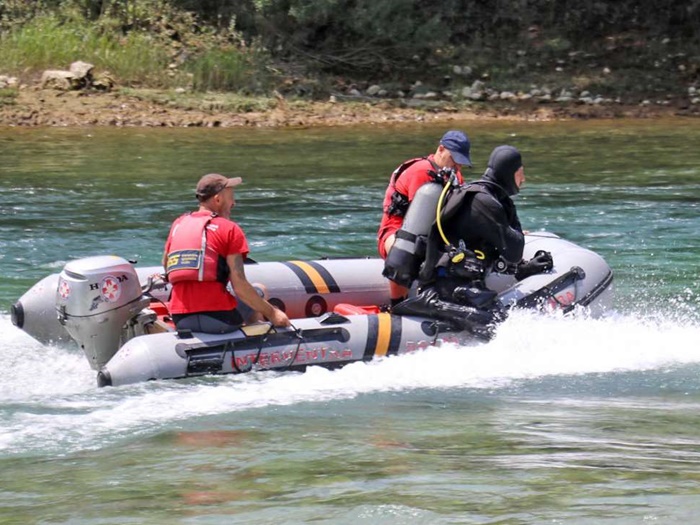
{"x":117,"y":313}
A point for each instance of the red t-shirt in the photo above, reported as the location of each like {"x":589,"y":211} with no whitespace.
{"x":226,"y":238}
{"x":408,"y":183}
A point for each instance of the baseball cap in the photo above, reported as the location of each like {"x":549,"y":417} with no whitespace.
{"x":213,"y":183}
{"x":457,"y":143}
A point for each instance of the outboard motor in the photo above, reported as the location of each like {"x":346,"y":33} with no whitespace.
{"x":96,"y":296}
{"x":404,"y":259}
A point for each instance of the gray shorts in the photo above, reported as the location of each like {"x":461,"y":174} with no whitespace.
{"x":216,"y":322}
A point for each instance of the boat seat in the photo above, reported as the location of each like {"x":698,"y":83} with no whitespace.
{"x":257,"y":329}
{"x":353,"y":309}
{"x":158,"y":327}
{"x":164,"y":322}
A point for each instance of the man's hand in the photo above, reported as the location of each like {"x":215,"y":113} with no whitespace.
{"x":249,"y":295}
{"x":540,"y":263}
{"x":279,"y":318}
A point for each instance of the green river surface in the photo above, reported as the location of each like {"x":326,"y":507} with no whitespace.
{"x":557,"y":420}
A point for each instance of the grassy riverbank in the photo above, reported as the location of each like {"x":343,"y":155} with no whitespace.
{"x":157,"y":64}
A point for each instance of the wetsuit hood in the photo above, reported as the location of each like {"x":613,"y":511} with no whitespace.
{"x":503,"y":163}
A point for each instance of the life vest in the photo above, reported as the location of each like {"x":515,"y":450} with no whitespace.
{"x":189,"y":258}
{"x":398,"y":205}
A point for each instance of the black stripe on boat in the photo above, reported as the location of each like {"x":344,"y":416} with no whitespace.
{"x":395,"y":340}
{"x":372,"y":336}
{"x":327,"y":277}
{"x":303,"y":277}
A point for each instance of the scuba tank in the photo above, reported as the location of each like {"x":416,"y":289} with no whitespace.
{"x":406,"y":255}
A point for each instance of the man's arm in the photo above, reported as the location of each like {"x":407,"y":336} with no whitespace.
{"x":249,"y":295}
{"x":489,"y":219}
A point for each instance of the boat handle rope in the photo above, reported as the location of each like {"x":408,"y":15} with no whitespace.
{"x":300,"y":339}
{"x":297,"y":334}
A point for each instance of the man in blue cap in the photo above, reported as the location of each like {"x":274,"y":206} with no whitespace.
{"x":451,"y":153}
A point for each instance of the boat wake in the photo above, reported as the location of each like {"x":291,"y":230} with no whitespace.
{"x":50,"y":402}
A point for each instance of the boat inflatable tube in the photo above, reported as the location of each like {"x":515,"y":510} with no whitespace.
{"x":405,"y":256}
{"x":118,"y":316}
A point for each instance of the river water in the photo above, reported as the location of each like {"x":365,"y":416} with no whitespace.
{"x":557,"y":420}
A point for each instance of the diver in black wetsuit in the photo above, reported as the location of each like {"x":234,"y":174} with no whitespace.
{"x":478,"y":228}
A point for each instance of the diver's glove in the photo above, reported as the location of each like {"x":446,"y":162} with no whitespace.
{"x":540,"y":263}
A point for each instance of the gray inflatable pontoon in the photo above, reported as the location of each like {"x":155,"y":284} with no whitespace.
{"x":117,"y":314}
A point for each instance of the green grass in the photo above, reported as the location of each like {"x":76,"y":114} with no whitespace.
{"x":223,"y":70}
{"x":48,"y":43}
{"x":8,"y":96}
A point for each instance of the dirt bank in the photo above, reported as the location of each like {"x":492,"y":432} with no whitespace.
{"x":35,"y":107}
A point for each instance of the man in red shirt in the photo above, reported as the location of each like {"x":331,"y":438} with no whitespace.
{"x":205,"y":250}
{"x":452,"y":152}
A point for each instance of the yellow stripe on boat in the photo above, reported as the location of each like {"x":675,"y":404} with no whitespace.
{"x":312,"y":273}
{"x":383,"y":334}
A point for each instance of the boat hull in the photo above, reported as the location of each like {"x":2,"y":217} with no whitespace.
{"x":143,"y":347}
{"x":330,"y":341}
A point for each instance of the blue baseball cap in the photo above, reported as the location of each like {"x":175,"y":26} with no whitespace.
{"x":457,"y":143}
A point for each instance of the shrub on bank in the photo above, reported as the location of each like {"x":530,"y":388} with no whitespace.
{"x":46,"y":42}
{"x":227,"y":69}
{"x":157,"y":48}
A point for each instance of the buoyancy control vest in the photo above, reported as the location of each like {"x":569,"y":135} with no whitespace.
{"x":399,"y":203}
{"x":189,"y":258}
{"x":403,"y":261}
{"x":461,"y":261}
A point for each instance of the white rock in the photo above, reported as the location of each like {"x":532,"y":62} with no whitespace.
{"x":81,"y":69}
{"x":57,"y":79}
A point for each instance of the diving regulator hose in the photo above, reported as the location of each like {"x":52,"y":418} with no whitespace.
{"x":451,"y":182}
